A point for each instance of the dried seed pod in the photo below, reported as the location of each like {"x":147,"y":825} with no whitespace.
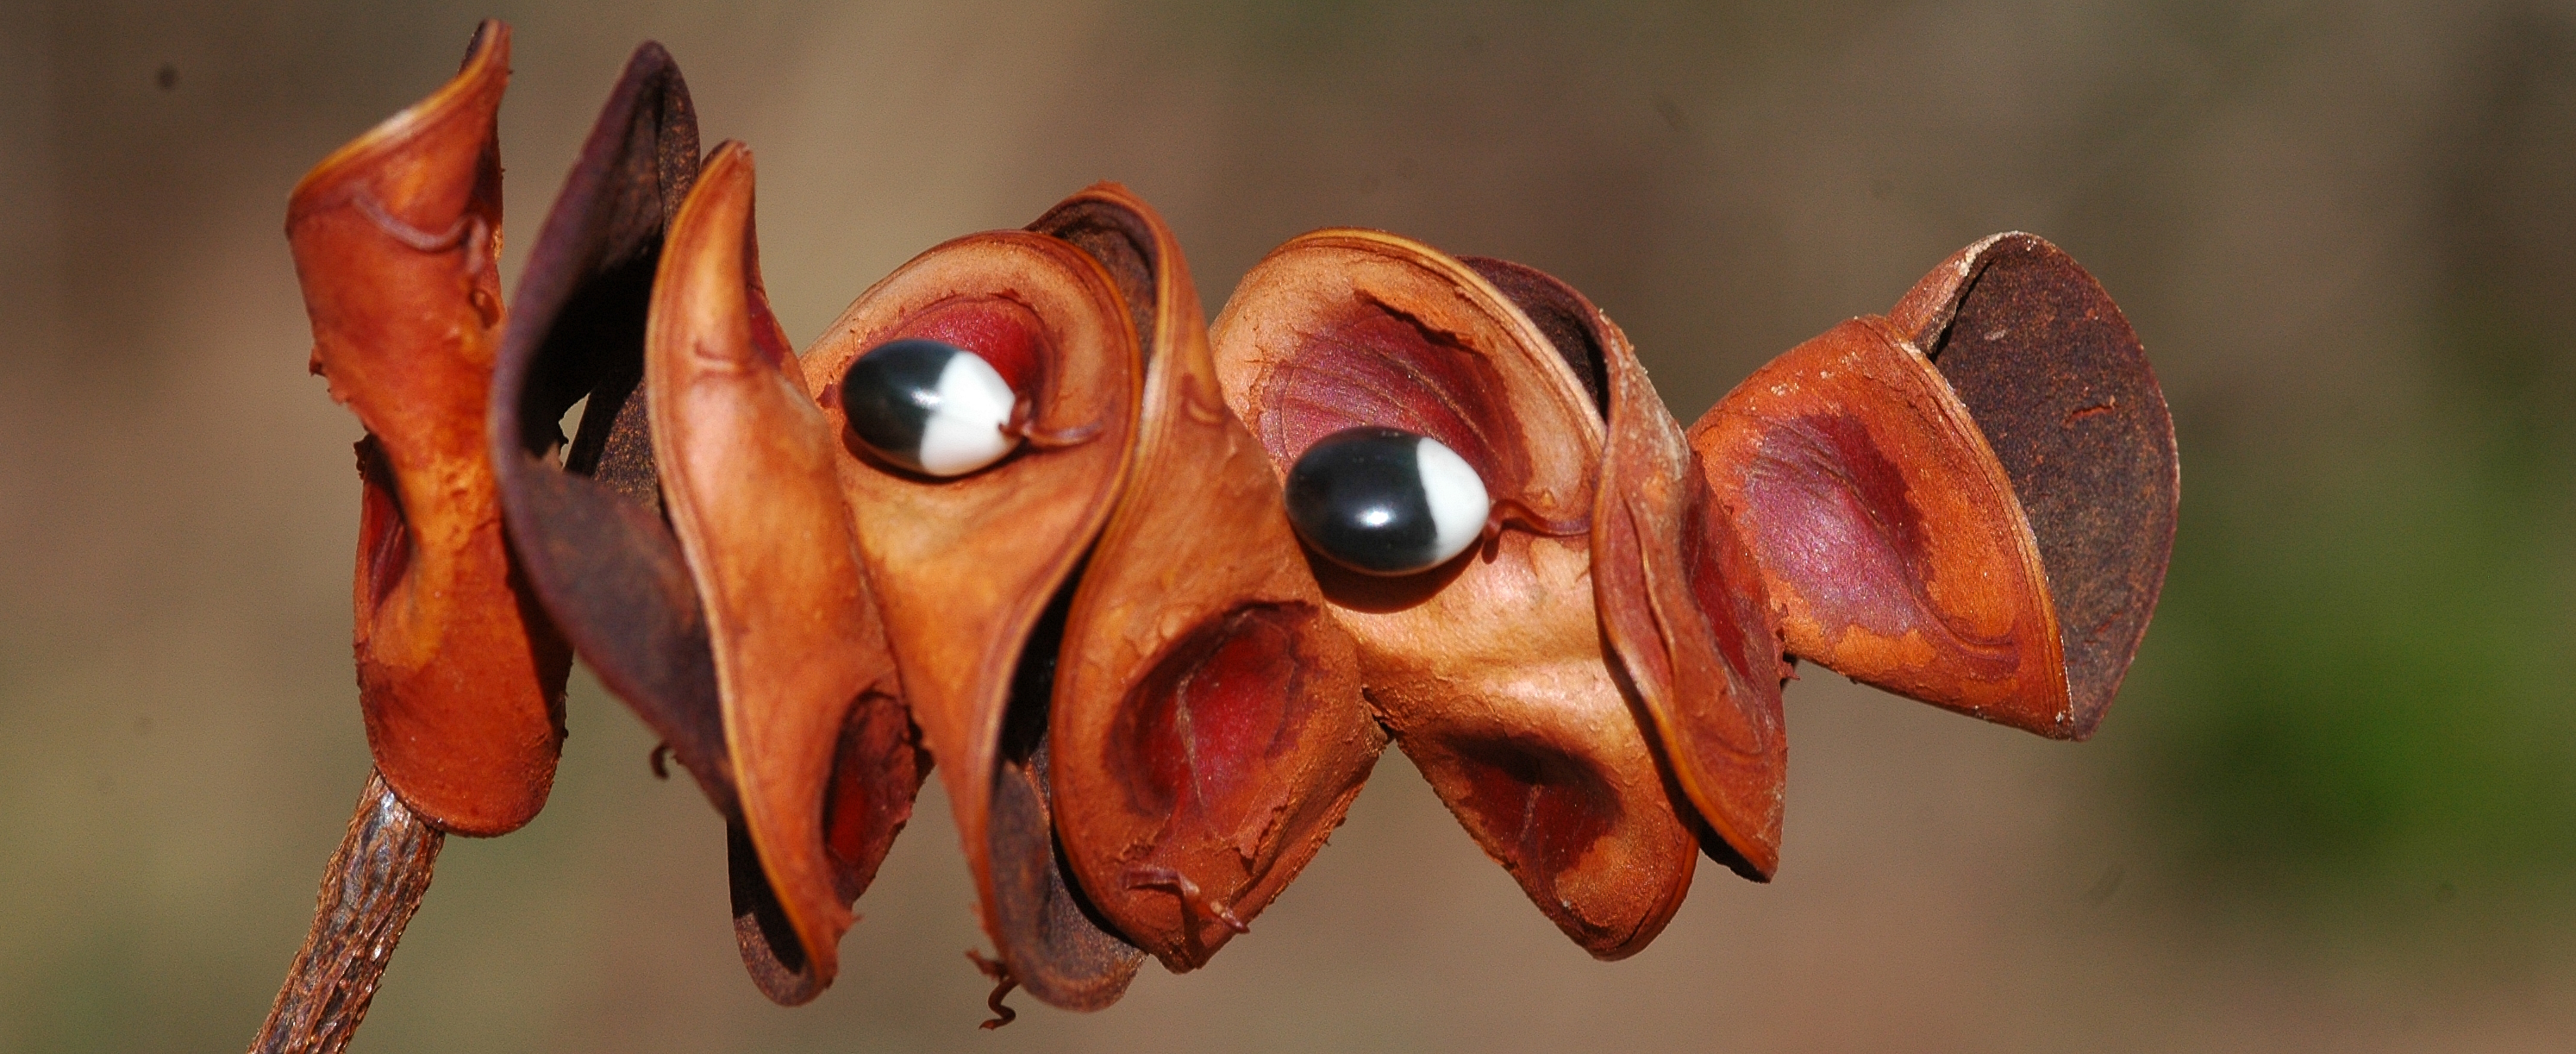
{"x":585,"y":522}
{"x":2060,"y":386}
{"x":591,"y":538}
{"x":1490,"y":670}
{"x":974,"y":574}
{"x":1678,"y":591}
{"x":1970,"y":502}
{"x":395,"y":237}
{"x":823,"y":758}
{"x":1207,"y":727}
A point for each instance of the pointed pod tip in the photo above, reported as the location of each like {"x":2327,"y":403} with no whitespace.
{"x":474,"y":93}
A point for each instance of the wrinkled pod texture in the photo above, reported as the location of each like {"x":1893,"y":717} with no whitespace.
{"x":1969,"y":501}
{"x":1850,"y":504}
{"x":1207,"y":731}
{"x":1152,"y":705}
{"x":395,"y":238}
{"x":587,"y":521}
{"x":1490,"y":670}
{"x":1178,"y":725}
{"x":975,"y":574}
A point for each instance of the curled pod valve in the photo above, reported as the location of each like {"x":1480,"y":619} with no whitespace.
{"x":1207,"y":729}
{"x":587,"y":520}
{"x":823,"y":760}
{"x":1676,"y":589}
{"x":973,"y":572}
{"x":1489,"y":668}
{"x":1173,"y":710}
{"x":1970,"y":501}
{"x":395,"y":238}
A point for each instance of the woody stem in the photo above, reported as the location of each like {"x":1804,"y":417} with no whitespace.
{"x":369,"y":890}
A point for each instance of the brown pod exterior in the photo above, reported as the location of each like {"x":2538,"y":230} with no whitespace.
{"x":585,"y":519}
{"x":1490,"y":669}
{"x":1679,"y":594}
{"x":2061,"y":388}
{"x":973,"y":574}
{"x":1894,"y":544}
{"x":395,"y":238}
{"x":824,"y":763}
{"x":1207,"y":731}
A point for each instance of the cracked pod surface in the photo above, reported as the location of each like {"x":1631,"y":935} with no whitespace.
{"x":395,"y":238}
{"x":823,"y":759}
{"x":1207,"y":731}
{"x":1677,"y":588}
{"x":1969,"y":502}
{"x":1489,"y":669}
{"x":973,"y":574}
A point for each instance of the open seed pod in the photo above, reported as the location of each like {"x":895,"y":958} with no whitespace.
{"x":585,"y":522}
{"x":1490,"y":668}
{"x":823,"y":758}
{"x":395,"y":238}
{"x":1679,"y":594}
{"x":974,"y":574}
{"x":1971,"y":501}
{"x":589,"y":533}
{"x":1207,"y":730}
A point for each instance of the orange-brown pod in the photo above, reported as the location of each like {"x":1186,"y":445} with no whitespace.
{"x":1489,"y":669}
{"x":822,"y":751}
{"x":395,"y":238}
{"x":1207,"y":729}
{"x":1679,"y":595}
{"x":585,"y":515}
{"x":586,"y":522}
{"x":974,"y":573}
{"x":1969,"y":502}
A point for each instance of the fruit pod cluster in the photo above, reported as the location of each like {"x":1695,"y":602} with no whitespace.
{"x":1153,"y":595}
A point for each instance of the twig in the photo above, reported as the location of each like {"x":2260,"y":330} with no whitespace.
{"x":369,"y":891}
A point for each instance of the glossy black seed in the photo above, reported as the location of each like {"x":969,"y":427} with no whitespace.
{"x":890,"y":392}
{"x":934,"y":408}
{"x":1357,"y":496}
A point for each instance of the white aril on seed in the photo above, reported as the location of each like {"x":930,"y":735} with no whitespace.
{"x":1459,"y":505}
{"x":929,"y":406}
{"x":1384,"y":501}
{"x":968,"y":430}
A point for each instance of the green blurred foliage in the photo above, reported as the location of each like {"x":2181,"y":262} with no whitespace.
{"x":2363,"y":688}
{"x":2368,"y":656}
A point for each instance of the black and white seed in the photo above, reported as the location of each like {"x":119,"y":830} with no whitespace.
{"x":931,"y":407}
{"x":1384,"y":501}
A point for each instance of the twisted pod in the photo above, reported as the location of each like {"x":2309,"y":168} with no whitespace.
{"x":1153,"y":595}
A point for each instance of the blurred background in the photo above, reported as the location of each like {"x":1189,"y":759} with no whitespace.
{"x":2333,"y":810}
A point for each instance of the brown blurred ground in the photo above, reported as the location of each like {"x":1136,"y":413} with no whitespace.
{"x":2330,"y":813}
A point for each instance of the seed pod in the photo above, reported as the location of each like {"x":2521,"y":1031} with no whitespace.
{"x":1207,"y":728}
{"x":1970,"y":502}
{"x":1490,"y":669}
{"x":975,"y":574}
{"x":395,"y":237}
{"x":1678,"y":593}
{"x":586,"y":521}
{"x":591,"y":536}
{"x":823,"y":758}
